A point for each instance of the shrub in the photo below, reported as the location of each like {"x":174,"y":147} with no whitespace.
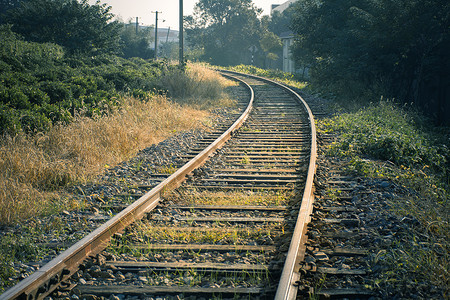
{"x":387,"y":132}
{"x":57,"y":91}
{"x":33,"y":121}
{"x":35,"y":95}
{"x":15,"y":97}
{"x":9,"y":119}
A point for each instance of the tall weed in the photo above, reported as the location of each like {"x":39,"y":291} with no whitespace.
{"x":198,"y":86}
{"x":33,"y":167}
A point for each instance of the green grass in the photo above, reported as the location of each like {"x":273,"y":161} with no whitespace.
{"x":12,"y":249}
{"x":407,"y":150}
{"x":385,"y":142}
{"x":387,"y":132}
{"x":193,"y":197}
{"x":283,"y":77}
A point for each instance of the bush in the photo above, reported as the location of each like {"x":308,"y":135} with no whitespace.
{"x":33,"y":121}
{"x":14,"y":97}
{"x":45,"y":85}
{"x":9,"y":119}
{"x":57,"y":91}
{"x":387,"y":132}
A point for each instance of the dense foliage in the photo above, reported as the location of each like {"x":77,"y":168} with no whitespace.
{"x":40,"y":85}
{"x":396,"y":48}
{"x":224,"y":29}
{"x":75,"y":25}
{"x":384,"y":131}
{"x":280,"y":22}
{"x":136,"y":43}
{"x":6,"y":5}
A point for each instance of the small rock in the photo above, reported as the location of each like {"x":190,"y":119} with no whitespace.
{"x":385,"y":184}
{"x":351,"y":222}
{"x":120,"y":277}
{"x":320,"y":256}
{"x":188,"y":279}
{"x":310,"y":259}
{"x":101,"y":260}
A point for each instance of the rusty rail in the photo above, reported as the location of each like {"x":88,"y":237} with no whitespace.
{"x":45,"y":280}
{"x":287,"y":287}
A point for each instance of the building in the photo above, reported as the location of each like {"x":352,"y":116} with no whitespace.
{"x":281,"y":7}
{"x":166,"y":35}
{"x":287,"y":38}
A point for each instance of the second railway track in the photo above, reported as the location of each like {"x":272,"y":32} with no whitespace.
{"x":234,"y":229}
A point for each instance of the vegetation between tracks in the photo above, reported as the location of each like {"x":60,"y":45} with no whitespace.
{"x":193,"y":197}
{"x":286,"y":78}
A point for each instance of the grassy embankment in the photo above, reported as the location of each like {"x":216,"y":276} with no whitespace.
{"x":63,"y":119}
{"x":35,"y":167}
{"x":381,"y":140}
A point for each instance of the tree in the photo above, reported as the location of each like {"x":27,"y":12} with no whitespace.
{"x":75,"y":25}
{"x":392,"y":47}
{"x":136,"y":44}
{"x":6,"y":5}
{"x":224,"y":30}
{"x":271,"y":44}
{"x":280,"y":21}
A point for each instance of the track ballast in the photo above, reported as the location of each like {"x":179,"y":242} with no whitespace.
{"x":226,"y":232}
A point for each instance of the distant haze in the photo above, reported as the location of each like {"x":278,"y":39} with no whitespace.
{"x":128,"y":10}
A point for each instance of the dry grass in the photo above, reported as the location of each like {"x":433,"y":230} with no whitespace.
{"x":212,"y":235}
{"x":33,"y":167}
{"x":229,"y":198}
{"x":199,"y":87}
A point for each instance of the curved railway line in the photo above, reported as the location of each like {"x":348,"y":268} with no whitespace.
{"x":230,"y":223}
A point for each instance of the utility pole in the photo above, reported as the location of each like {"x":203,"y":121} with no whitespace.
{"x":180,"y":36}
{"x":156,"y":33}
{"x":137,"y":25}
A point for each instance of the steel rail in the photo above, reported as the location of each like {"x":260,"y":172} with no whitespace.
{"x":287,"y":287}
{"x":46,"y":279}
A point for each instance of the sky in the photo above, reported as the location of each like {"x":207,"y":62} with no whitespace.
{"x":130,"y":9}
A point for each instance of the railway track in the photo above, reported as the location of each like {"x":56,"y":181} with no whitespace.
{"x":234,"y":227}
